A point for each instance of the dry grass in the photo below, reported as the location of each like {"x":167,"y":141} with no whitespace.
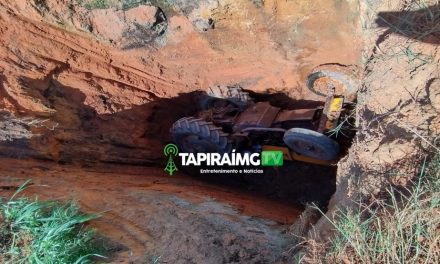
{"x":403,"y":228}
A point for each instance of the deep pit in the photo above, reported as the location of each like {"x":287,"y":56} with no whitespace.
{"x":89,"y":90}
{"x":90,"y":101}
{"x":296,"y":183}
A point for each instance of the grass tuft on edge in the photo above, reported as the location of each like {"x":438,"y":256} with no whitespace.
{"x":47,"y":232}
{"x":404,"y":228}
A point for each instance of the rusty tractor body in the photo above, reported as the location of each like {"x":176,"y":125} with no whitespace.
{"x":229,"y":119}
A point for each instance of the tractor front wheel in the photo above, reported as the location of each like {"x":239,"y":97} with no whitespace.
{"x":311,"y":144}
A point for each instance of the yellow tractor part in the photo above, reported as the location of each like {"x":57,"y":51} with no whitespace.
{"x":330,"y":115}
{"x":336,"y":104}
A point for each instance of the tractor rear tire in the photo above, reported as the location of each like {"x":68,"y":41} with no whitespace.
{"x":194,"y":135}
{"x":343,"y":78}
{"x":311,"y":144}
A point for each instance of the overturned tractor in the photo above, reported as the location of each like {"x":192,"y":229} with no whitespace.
{"x":230,"y":119}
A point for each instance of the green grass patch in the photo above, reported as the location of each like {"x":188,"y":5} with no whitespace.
{"x":45,"y":232}
{"x":404,"y":228}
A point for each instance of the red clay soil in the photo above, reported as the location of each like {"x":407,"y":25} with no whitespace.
{"x":143,"y":206}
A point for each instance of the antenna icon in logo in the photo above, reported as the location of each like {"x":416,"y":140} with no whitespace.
{"x":171,"y":151}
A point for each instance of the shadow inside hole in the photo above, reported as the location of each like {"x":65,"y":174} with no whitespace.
{"x":296,"y":183}
{"x":136,"y":136}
